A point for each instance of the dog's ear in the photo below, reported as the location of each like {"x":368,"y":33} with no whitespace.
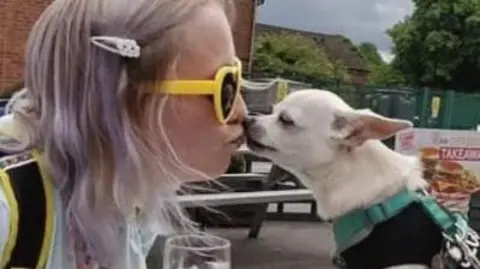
{"x":353,"y":128}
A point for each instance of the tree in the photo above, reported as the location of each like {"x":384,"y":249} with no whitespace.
{"x":370,"y":53}
{"x":381,"y":73}
{"x":439,"y":44}
{"x":295,"y":57}
{"x":386,"y":75}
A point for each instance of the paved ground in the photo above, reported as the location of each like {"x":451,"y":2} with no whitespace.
{"x":282,"y":245}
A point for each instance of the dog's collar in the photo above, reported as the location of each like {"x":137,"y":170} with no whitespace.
{"x":462,"y":242}
{"x":355,"y":226}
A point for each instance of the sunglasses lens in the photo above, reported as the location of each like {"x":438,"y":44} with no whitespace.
{"x":229,"y":94}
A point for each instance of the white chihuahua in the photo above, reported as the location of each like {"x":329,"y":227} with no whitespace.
{"x":336,"y":151}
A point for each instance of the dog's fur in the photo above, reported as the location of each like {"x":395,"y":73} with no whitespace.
{"x":336,"y":151}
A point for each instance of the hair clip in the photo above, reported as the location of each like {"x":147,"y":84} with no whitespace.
{"x":121,"y":46}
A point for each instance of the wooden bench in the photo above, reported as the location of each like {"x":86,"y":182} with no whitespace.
{"x":155,"y":256}
{"x":243,"y":198}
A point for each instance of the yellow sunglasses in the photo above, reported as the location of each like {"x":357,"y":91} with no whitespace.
{"x":225,"y":88}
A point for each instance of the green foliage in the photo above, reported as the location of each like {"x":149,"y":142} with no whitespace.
{"x":382,"y":74}
{"x":370,"y":53}
{"x":340,"y":71}
{"x":295,"y":57}
{"x":386,"y":75}
{"x":439,"y":45}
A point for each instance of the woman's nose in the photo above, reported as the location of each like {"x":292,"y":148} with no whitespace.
{"x":239,"y":112}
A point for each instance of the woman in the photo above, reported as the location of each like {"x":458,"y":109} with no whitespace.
{"x":126,"y":100}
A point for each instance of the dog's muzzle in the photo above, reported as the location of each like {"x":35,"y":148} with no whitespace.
{"x":248,"y":122}
{"x":253,"y":133}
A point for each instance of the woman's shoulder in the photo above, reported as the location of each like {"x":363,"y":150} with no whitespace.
{"x":4,"y":222}
{"x":17,"y":176}
{"x":8,"y":163}
{"x":5,"y":207}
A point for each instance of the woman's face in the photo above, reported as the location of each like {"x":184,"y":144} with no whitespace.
{"x":198,"y":138}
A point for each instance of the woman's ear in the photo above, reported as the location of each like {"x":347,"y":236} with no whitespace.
{"x":354,"y":127}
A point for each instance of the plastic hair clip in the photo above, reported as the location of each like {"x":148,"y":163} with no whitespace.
{"x":122,"y":46}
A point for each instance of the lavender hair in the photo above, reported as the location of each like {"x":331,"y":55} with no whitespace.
{"x":92,"y":114}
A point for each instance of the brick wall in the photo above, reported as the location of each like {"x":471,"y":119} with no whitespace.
{"x":244,"y":29}
{"x":18,"y":16}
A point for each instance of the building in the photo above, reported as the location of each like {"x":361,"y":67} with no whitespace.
{"x":17,"y":19}
{"x":337,"y":47}
{"x":19,"y":16}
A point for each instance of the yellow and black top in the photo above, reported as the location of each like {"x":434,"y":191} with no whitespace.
{"x":29,"y":194}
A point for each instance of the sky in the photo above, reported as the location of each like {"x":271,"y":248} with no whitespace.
{"x":359,"y":20}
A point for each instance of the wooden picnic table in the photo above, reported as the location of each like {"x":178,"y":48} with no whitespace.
{"x":250,"y":157}
{"x":279,"y":187}
{"x":243,"y":198}
{"x":262,"y":198}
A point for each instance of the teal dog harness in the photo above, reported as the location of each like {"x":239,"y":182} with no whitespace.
{"x":461,"y":242}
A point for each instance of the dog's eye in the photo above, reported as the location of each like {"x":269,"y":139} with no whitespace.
{"x":285,"y":120}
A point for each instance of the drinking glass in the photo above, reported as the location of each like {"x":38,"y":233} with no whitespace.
{"x":197,"y":251}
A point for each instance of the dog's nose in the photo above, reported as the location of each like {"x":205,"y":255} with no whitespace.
{"x":248,"y":122}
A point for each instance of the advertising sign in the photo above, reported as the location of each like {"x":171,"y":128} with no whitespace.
{"x":451,"y":162}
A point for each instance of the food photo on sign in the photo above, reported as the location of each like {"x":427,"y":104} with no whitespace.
{"x":451,"y":162}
